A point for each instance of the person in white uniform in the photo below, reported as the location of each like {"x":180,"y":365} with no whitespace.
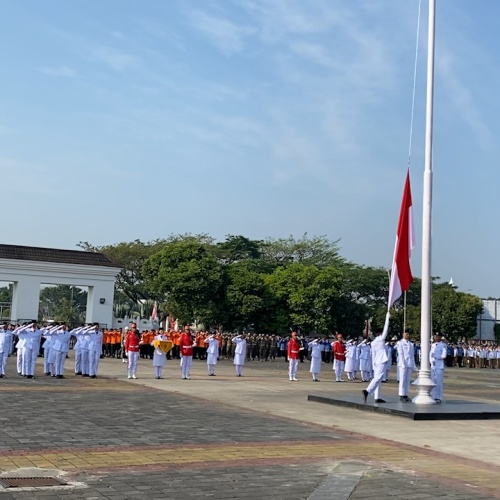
{"x":20,"y":351}
{"x":350,"y":359}
{"x":316,"y":347}
{"x":95,"y":350}
{"x":240,"y":353}
{"x":212,"y":354}
{"x":4,"y":348}
{"x":437,"y":357}
{"x":159,"y":357}
{"x":365,"y":361}
{"x":379,"y":360}
{"x":406,"y":364}
{"x":32,"y":336}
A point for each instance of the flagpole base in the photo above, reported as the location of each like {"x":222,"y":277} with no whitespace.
{"x":425,"y":385}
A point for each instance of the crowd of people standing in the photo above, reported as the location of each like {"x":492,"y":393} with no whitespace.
{"x":353,"y":359}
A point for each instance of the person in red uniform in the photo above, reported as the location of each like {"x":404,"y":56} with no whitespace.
{"x":186,"y":347}
{"x":294,"y":349}
{"x":132,"y":346}
{"x":338,"y":348}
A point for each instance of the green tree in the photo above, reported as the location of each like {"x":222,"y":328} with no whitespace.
{"x":130,"y":256}
{"x":237,"y":249}
{"x":454,"y":314}
{"x":244,"y":296}
{"x":63,"y":303}
{"x":304,"y":296}
{"x":189,"y":273}
{"x":316,"y":251}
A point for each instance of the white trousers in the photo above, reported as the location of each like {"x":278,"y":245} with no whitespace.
{"x":338,"y":366}
{"x":211,"y":369}
{"x":94,"y":357}
{"x":29,"y":358}
{"x":293,"y":365}
{"x":238,"y":369}
{"x":158,"y":370}
{"x":47,"y":364}
{"x":78,"y":361}
{"x":84,"y":353}
{"x":186,"y":362}
{"x":132,"y":361}
{"x":20,"y":360}
{"x":404,"y":375}
{"x":374,"y":385}
{"x":58,"y":365}
{"x":3,"y":362}
{"x":437,"y":377}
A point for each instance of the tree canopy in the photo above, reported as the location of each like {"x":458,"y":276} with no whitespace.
{"x":272,"y":285}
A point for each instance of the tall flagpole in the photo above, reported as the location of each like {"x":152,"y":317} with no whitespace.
{"x":424,"y":382}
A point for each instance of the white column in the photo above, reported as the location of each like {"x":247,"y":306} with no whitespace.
{"x":100,"y":303}
{"x":25,"y":298}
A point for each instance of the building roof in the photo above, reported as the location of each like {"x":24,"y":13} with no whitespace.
{"x":78,"y":257}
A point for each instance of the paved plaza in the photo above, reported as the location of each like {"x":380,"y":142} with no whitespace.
{"x":223,"y":437}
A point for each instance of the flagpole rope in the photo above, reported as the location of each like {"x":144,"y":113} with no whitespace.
{"x":414,"y":82}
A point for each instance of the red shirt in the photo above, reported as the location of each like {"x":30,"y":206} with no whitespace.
{"x":186,"y":344}
{"x":293,"y":348}
{"x":338,"y":350}
{"x":132,"y":342}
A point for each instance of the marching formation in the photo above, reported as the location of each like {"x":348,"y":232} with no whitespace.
{"x":367,"y":360}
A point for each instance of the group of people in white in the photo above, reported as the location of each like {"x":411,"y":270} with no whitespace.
{"x":373,"y":360}
{"x":56,"y":345}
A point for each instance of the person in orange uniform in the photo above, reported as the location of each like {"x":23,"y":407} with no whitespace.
{"x":132,"y":344}
{"x":176,"y":338}
{"x":150,"y":335}
{"x":338,"y":349}
{"x":186,"y":346}
{"x":294,"y":349}
{"x":116,"y":339}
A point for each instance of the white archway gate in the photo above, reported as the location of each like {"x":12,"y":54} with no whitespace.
{"x":30,"y":267}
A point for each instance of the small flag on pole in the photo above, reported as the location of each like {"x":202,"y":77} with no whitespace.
{"x":154,"y":314}
{"x":401,"y":277}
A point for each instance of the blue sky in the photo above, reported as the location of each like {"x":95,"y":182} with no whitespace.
{"x":126,"y":119}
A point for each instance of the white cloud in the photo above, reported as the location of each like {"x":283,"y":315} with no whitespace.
{"x":63,"y":71}
{"x":313,"y":52}
{"x":115,"y":59}
{"x":224,"y":34}
{"x":462,"y":99}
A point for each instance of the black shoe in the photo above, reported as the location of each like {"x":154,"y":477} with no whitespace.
{"x":85,"y":375}
{"x":2,"y":376}
{"x":29,"y":376}
{"x":92,"y":376}
{"x":47,"y":374}
{"x":407,"y":399}
{"x":78,"y":373}
{"x":402,"y":398}
{"x":379,"y":401}
{"x":438,"y":401}
{"x":365,"y":395}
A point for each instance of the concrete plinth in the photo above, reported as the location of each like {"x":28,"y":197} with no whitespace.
{"x":450,"y":410}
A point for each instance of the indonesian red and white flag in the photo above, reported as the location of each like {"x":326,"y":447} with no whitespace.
{"x":401,"y":277}
{"x":154,"y":314}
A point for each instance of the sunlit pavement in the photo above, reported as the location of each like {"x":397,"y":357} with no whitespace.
{"x":228,"y":437}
